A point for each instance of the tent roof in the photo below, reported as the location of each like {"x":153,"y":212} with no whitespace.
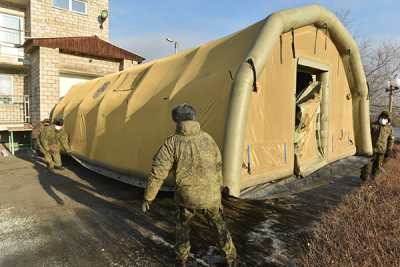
{"x":85,"y":45}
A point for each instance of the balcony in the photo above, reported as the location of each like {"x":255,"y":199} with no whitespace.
{"x":14,"y":111}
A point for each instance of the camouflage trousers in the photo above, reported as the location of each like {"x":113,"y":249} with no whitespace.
{"x":373,"y":167}
{"x":215,"y":219}
{"x":52,"y":158}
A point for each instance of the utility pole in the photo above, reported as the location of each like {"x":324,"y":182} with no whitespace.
{"x":391,"y":91}
{"x":394,"y":85}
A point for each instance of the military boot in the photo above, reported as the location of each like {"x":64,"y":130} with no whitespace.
{"x":232,"y":264}
{"x":365,"y":176}
{"x":228,"y":264}
{"x":180,"y":263}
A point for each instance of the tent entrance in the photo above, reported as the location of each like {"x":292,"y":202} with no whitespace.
{"x":309,"y":144}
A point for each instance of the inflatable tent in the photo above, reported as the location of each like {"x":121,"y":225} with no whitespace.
{"x":283,"y":97}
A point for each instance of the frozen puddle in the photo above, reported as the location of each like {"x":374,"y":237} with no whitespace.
{"x":278,"y":250}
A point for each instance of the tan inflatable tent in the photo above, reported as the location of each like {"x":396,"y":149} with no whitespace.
{"x":284,"y":96}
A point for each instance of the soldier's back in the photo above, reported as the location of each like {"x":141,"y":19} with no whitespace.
{"x":198,"y":170}
{"x":49,"y":133}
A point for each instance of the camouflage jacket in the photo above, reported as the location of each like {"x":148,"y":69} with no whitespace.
{"x":53,"y":140}
{"x":37,"y":130}
{"x":195,"y":160}
{"x":382,"y":138}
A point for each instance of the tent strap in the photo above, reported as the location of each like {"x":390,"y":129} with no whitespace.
{"x":293,"y":44}
{"x":253,"y":69}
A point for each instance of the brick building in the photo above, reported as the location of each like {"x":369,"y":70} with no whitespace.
{"x":46,"y":46}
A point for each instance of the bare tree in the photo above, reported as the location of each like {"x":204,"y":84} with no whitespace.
{"x":381,"y":60}
{"x":344,"y":15}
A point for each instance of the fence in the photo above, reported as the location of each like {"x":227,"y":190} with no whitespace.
{"x":14,"y":109}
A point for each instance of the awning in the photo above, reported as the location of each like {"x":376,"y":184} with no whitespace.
{"x":91,"y":46}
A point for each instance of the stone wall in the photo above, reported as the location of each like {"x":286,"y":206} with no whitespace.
{"x":49,"y":21}
{"x":46,"y":66}
{"x":18,"y":84}
{"x":86,"y":66}
{"x":126,"y":64}
{"x":44,"y":82}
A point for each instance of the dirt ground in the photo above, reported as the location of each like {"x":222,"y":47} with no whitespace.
{"x":79,"y":218}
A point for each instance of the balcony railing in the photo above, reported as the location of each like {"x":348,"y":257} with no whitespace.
{"x":14,"y":109}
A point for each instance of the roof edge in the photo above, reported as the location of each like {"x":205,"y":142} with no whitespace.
{"x":54,"y":42}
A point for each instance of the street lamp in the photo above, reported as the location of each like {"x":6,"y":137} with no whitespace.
{"x":174,"y":42}
{"x":103,"y":17}
{"x":393,"y":85}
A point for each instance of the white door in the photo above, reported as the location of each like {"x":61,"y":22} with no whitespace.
{"x":68,"y":80}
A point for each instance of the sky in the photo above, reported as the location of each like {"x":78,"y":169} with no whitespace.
{"x":142,"y":26}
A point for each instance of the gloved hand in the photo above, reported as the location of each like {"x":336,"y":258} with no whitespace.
{"x":146,"y":206}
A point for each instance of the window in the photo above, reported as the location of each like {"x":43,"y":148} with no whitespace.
{"x":11,"y":35}
{"x":78,"y":6}
{"x":61,"y":4}
{"x":71,"y":5}
{"x":6,"y":89}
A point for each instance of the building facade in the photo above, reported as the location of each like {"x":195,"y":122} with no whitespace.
{"x":46,"y":46}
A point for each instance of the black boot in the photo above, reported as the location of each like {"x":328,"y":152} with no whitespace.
{"x":180,"y":263}
{"x":228,"y":264}
{"x":232,"y":263}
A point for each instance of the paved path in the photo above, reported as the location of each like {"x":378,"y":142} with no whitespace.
{"x":78,"y":218}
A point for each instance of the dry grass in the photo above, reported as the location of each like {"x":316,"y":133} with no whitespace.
{"x":396,"y":120}
{"x":364,"y":230}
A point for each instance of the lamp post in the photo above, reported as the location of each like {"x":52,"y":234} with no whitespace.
{"x":393,"y":85}
{"x":174,"y":42}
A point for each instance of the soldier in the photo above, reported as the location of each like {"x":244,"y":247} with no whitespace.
{"x":52,"y":139}
{"x":36,"y":134}
{"x":382,"y":140}
{"x":194,"y":158}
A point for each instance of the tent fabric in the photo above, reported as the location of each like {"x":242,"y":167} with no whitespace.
{"x":306,"y":140}
{"x":120,"y":120}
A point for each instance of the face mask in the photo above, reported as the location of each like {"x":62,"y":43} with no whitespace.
{"x":383,"y":121}
{"x":58,"y":127}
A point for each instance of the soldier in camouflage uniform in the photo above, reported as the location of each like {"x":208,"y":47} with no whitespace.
{"x":382,"y":140}
{"x":53,"y":139}
{"x":36,"y":134}
{"x":195,"y":160}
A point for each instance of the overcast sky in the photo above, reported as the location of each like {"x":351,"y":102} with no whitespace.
{"x":142,"y":26}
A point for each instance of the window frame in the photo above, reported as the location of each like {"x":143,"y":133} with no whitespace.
{"x":70,"y":7}
{"x":20,"y":31}
{"x":62,"y":8}
{"x":15,"y":47}
{"x":80,"y":1}
{"x":11,"y":95}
